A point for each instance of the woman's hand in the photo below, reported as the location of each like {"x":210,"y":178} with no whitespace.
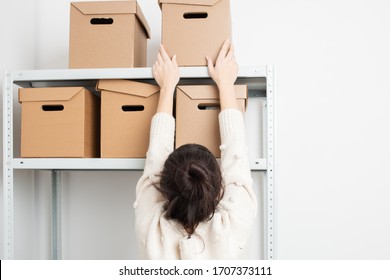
{"x":225,"y":71}
{"x":165,"y":70}
{"x":224,"y":74}
{"x":167,"y":75}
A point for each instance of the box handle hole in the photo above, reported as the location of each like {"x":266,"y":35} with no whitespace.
{"x":195,"y":15}
{"x":52,"y":107}
{"x":212,"y":106}
{"x":101,"y":21}
{"x":132,"y":108}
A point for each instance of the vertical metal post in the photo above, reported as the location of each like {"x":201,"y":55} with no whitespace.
{"x":8,"y":184}
{"x":56,"y":236}
{"x":270,"y":180}
{"x":265,"y":183}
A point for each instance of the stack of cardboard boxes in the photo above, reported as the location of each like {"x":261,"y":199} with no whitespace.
{"x":74,"y":122}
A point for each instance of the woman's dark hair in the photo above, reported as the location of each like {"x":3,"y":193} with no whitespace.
{"x":191,"y":182}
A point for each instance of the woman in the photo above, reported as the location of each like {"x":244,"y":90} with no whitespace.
{"x":186,"y":206}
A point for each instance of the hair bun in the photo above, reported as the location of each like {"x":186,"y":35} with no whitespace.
{"x":191,"y":178}
{"x":197,"y":172}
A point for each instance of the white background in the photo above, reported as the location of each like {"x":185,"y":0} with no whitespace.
{"x":333,"y":113}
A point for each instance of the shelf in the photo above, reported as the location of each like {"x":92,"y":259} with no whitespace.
{"x":260,"y":82}
{"x":254,"y":77}
{"x":98,"y":164}
{"x":123,"y":73}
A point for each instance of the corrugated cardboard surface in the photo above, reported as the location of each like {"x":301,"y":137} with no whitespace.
{"x":70,"y":132}
{"x":197,"y":109}
{"x":118,"y":45}
{"x":194,"y":39}
{"x":125,"y":134}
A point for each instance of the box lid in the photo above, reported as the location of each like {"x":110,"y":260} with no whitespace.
{"x":189,"y":2}
{"x":128,"y":87}
{"x":48,"y":94}
{"x":210,"y":92}
{"x":113,"y":7}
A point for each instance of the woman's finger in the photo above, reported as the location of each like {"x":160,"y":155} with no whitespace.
{"x":163,"y":53}
{"x":225,"y":48}
{"x":230,"y":54}
{"x":210,"y":65}
{"x":160,"y":60}
{"x":174,"y":60}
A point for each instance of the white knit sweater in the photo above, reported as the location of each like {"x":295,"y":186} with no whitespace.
{"x":225,"y":235}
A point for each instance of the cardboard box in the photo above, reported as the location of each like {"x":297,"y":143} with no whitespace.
{"x":59,"y":122}
{"x":109,"y":34}
{"x":197,"y":109}
{"x":127,"y":109}
{"x":194,"y":29}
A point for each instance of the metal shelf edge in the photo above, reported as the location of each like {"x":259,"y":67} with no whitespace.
{"x":122,"y":73}
{"x":99,"y":164}
{"x":79,"y":163}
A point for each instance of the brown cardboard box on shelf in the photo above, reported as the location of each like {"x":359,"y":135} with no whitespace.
{"x":194,"y":29}
{"x":108,"y":34}
{"x":59,"y":122}
{"x":197,"y":109}
{"x":127,"y":108}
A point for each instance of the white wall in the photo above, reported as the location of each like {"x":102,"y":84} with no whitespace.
{"x":333,"y":114}
{"x":333,"y":110}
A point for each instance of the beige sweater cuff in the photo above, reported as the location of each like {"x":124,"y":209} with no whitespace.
{"x":231,"y":125}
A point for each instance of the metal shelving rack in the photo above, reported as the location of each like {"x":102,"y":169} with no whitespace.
{"x":260,"y":81}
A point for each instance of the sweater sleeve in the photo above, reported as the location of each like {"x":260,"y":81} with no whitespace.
{"x":149,"y":201}
{"x":238,"y":206}
{"x":161,"y":140}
